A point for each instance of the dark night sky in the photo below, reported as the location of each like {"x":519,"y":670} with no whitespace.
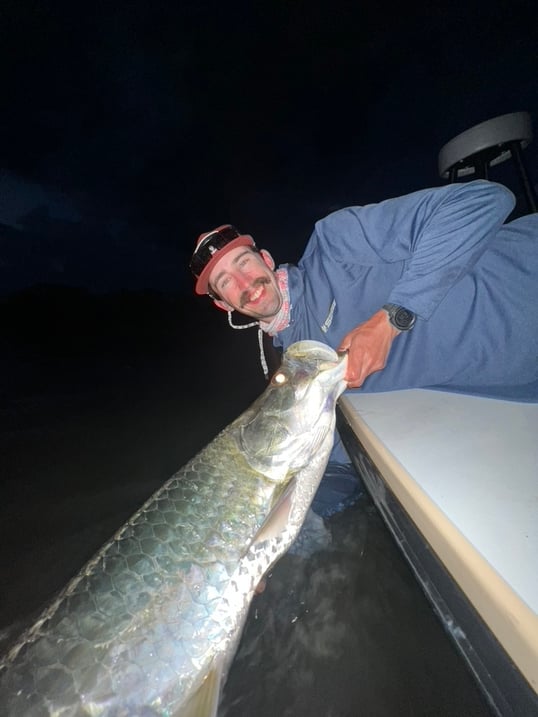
{"x":129,"y":128}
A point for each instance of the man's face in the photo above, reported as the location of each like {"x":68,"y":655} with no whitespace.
{"x":245,"y":281}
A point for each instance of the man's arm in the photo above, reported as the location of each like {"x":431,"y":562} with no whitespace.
{"x":439,"y":233}
{"x":448,"y":245}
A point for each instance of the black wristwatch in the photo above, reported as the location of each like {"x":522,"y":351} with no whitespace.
{"x":401,"y":318}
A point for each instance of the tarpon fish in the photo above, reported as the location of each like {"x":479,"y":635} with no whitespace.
{"x":150,"y":625}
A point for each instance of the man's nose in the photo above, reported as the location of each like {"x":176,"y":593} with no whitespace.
{"x":242,"y":282}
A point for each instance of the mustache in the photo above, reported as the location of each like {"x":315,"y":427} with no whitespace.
{"x":245,"y":296}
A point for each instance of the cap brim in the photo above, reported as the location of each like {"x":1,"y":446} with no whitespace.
{"x":202,"y":282}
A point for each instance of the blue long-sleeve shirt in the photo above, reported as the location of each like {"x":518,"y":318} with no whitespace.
{"x":445,"y":254}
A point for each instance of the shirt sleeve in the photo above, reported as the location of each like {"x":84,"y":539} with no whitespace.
{"x":439,"y":234}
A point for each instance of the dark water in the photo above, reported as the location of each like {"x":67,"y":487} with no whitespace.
{"x":347,"y":632}
{"x":97,"y":412}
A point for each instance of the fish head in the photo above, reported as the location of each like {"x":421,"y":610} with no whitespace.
{"x":296,"y":412}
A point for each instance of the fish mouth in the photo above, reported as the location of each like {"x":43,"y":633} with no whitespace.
{"x":330,"y":365}
{"x":314,"y":351}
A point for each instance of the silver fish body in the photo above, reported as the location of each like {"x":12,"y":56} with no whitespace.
{"x":151,"y":623}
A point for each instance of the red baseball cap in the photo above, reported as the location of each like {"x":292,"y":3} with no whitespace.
{"x":210,"y":248}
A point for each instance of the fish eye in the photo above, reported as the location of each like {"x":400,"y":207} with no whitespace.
{"x":279,"y":378}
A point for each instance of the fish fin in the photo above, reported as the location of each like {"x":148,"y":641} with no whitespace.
{"x":277,"y":519}
{"x":205,"y":701}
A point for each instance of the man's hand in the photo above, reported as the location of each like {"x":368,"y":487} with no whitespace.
{"x":368,"y":346}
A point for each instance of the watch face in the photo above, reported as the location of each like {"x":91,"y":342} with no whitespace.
{"x":400,"y":317}
{"x":404,"y":319}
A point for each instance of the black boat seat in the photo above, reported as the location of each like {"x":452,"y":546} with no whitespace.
{"x":487,"y":144}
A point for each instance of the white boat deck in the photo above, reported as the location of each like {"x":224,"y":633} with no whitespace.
{"x":465,"y":469}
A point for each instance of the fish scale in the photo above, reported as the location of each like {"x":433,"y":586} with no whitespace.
{"x":161,"y":606}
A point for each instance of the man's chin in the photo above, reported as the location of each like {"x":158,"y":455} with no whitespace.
{"x":264,"y":313}
{"x":264,"y":316}
{"x":258,"y":316}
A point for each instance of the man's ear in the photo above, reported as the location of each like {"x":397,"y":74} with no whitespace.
{"x":267,"y":258}
{"x":222,"y":305}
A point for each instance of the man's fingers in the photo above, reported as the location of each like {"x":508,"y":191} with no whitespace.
{"x":354,"y":376}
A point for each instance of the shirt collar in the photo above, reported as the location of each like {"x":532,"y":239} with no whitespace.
{"x":282,"y":319}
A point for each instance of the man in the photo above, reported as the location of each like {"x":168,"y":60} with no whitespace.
{"x":425,"y":290}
